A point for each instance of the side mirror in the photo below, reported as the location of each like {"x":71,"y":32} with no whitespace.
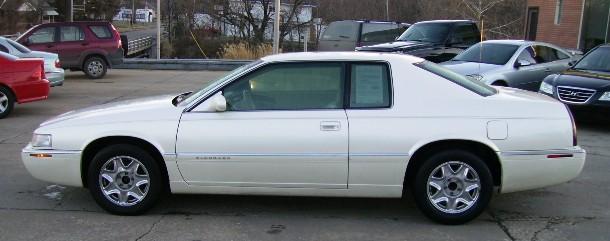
{"x":522,"y":63}
{"x":216,"y":103}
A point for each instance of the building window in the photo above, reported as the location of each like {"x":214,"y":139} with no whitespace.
{"x":558,"y":10}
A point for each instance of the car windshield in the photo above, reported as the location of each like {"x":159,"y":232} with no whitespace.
{"x":488,"y":53}
{"x":426,"y":32}
{"x":18,"y":46}
{"x":195,"y":95}
{"x":597,"y":60}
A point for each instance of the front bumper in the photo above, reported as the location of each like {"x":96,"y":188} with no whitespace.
{"x":55,"y":166}
{"x":525,"y":170}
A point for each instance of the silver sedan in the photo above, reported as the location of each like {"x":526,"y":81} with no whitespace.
{"x":53,"y":71}
{"x":513,"y":63}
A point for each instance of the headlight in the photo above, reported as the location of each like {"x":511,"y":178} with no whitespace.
{"x":546,"y":88}
{"x":475,"y":77}
{"x":605,"y":97}
{"x":41,"y":140}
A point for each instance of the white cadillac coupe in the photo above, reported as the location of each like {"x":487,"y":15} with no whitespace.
{"x":317,"y":124}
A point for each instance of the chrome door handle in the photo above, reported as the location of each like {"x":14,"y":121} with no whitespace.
{"x":330,"y":126}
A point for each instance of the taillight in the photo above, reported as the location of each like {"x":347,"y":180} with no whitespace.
{"x":574,"y":133}
{"x":57,"y":63}
{"x":38,"y":74}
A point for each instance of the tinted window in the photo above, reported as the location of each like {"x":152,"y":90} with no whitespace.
{"x":101,"y":31}
{"x":380,"y":32}
{"x":474,"y":86}
{"x":288,"y":87}
{"x":370,"y":86}
{"x":597,"y":60}
{"x":43,"y":35}
{"x":18,"y":46}
{"x":71,"y":33}
{"x":426,"y":32}
{"x":341,"y":31}
{"x":544,"y":54}
{"x":3,"y":48}
{"x":465,"y":33}
{"x":488,"y":53}
{"x":528,"y":54}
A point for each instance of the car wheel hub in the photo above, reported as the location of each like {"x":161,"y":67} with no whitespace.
{"x":453,"y":187}
{"x":124,"y":180}
{"x":95,"y":68}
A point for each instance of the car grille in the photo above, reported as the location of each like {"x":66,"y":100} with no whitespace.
{"x":573,"y":94}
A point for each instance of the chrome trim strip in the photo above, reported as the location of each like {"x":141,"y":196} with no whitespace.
{"x":52,"y":152}
{"x":190,"y":154}
{"x":542,"y":152}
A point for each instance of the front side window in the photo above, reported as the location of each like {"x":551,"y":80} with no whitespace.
{"x":43,"y":35}
{"x":289,"y":86}
{"x":341,"y":31}
{"x":369,"y":86}
{"x":474,"y":86}
{"x":71,"y":33}
{"x":545,"y":54}
{"x":527,"y":55}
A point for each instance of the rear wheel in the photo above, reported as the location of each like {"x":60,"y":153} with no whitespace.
{"x":125,"y":180}
{"x":95,"y":67}
{"x":453,"y":187}
{"x":7,"y":102}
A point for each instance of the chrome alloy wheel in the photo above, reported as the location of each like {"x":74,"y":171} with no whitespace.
{"x":3,"y":102}
{"x":453,"y":187}
{"x":95,"y":67}
{"x":124,"y":180}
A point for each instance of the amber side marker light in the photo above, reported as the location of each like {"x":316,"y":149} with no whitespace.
{"x":40,"y":155}
{"x":559,"y":155}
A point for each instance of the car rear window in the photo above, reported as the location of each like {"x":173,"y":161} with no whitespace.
{"x":474,"y":86}
{"x":101,"y":31}
{"x":380,"y":32}
{"x":344,"y":31}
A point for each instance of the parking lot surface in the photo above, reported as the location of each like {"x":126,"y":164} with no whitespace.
{"x":35,"y":210}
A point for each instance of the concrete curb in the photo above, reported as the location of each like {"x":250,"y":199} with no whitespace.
{"x":182,"y":64}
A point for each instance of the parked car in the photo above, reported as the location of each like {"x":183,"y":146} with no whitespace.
{"x":587,"y":83}
{"x":22,"y":80}
{"x":513,"y":63}
{"x":348,"y":34}
{"x":436,"y":41}
{"x":92,"y":47}
{"x":290,"y":125}
{"x":52,"y":65}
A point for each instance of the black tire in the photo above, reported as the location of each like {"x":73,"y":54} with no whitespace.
{"x":95,"y":183}
{"x":455,"y":158}
{"x":7,"y":102}
{"x":95,"y":67}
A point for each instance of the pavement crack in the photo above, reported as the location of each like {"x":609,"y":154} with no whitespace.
{"x":152,"y":227}
{"x":502,"y":226}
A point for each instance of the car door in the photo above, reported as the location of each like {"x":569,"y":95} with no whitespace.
{"x":284,"y":127}
{"x":530,"y":71}
{"x":42,"y":39}
{"x":71,"y":44}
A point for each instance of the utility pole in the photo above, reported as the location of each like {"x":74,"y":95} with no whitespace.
{"x":276,"y":28}
{"x":387,"y":10}
{"x":70,"y":10}
{"x":133,"y":12}
{"x":158,"y":15}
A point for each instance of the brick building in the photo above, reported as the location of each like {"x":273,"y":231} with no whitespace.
{"x":575,"y":24}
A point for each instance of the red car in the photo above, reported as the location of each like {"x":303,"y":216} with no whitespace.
{"x":92,"y":47}
{"x":21,"y":81}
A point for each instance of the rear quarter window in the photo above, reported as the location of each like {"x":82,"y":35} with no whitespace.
{"x":101,"y":31}
{"x":474,"y":86}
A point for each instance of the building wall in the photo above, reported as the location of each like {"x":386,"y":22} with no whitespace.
{"x":566,"y":34}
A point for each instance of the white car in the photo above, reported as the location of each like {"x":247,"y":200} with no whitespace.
{"x":317,"y":124}
{"x":52,"y":67}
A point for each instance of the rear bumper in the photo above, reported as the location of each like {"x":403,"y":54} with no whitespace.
{"x":56,"y":77}
{"x":524,"y":170}
{"x":32,"y":91}
{"x":58,"y":166}
{"x":116,"y":58}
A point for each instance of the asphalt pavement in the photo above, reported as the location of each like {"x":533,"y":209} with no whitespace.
{"x":35,"y":210}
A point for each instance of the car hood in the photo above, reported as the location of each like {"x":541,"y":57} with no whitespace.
{"x":142,"y":109}
{"x":468,"y":68}
{"x":403,"y":46}
{"x":584,"y":79}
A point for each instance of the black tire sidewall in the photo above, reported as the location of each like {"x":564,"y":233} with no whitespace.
{"x":155,"y":188}
{"x":11,"y":101}
{"x":86,"y":69}
{"x":420,"y":186}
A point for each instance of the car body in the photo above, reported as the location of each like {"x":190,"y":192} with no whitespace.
{"x":346,"y":35}
{"x":52,"y":66}
{"x":92,"y":47}
{"x":436,"y":41}
{"x":586,"y":84}
{"x":282,"y":126}
{"x":513,"y":63}
{"x":22,"y":80}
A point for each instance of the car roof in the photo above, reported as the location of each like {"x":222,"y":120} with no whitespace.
{"x":447,"y":21}
{"x":339,"y":56}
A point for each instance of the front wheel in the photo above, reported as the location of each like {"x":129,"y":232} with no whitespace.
{"x":95,"y":67}
{"x":7,"y":102}
{"x":453,"y":187}
{"x":125,"y":180}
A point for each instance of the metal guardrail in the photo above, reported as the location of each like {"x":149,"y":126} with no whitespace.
{"x":139,"y":47}
{"x":182,"y":64}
